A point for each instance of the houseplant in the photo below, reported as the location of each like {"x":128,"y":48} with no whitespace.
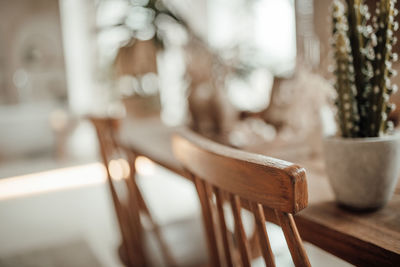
{"x":363,"y":161}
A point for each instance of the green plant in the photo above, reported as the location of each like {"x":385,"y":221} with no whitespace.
{"x":364,"y":57}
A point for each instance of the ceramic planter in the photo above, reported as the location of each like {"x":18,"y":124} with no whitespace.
{"x":363,"y":172}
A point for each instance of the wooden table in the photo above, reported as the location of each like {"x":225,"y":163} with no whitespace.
{"x":371,"y":239}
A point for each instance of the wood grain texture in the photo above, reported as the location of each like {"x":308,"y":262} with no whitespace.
{"x":240,"y":175}
{"x":222,"y":224}
{"x":208,"y":222}
{"x":293,"y":239}
{"x":239,"y":231}
{"x":361,"y":239}
{"x":369,"y":238}
{"x":262,"y":232}
{"x":275,"y":183}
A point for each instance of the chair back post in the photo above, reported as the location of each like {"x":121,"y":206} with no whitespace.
{"x":127,"y":211}
{"x":133,"y":206}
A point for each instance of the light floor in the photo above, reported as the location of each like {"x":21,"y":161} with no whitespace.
{"x":72,"y":204}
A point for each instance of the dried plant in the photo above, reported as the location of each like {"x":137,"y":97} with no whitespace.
{"x":363,"y":54}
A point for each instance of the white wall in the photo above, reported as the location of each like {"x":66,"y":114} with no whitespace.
{"x":79,"y":39}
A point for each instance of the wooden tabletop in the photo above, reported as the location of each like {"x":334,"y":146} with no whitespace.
{"x":371,"y":239}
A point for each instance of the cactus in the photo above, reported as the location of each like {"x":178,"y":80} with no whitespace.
{"x":363,"y":55}
{"x":385,"y":26}
{"x":348,"y":115}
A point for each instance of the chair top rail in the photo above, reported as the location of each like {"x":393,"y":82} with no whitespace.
{"x":272,"y":182}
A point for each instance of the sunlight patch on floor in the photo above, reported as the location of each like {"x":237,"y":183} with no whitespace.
{"x":53,"y":180}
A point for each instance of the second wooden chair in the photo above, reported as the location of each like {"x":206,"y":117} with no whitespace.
{"x":127,"y":198}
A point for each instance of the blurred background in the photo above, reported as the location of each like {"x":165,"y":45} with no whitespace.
{"x":249,"y":71}
{"x":62,"y":60}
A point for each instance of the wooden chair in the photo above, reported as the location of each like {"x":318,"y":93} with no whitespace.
{"x":128,"y":201}
{"x":271,"y":189}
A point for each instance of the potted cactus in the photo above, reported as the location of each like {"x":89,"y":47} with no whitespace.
{"x":363,"y":160}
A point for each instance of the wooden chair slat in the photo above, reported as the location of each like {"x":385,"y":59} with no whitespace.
{"x":293,"y":239}
{"x":222,"y":224}
{"x":102,"y":128}
{"x":141,"y":206}
{"x":265,"y":245}
{"x":127,"y":213}
{"x":170,"y":260}
{"x":239,"y":231}
{"x":208,"y":221}
{"x":136,"y":252}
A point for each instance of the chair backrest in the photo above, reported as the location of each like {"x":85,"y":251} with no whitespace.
{"x":271,"y":189}
{"x":129,"y":203}
{"x":120,"y":177}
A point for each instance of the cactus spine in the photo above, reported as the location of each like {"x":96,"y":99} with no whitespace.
{"x":364,"y":56}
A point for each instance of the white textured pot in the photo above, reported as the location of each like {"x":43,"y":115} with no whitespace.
{"x":363,"y":172}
